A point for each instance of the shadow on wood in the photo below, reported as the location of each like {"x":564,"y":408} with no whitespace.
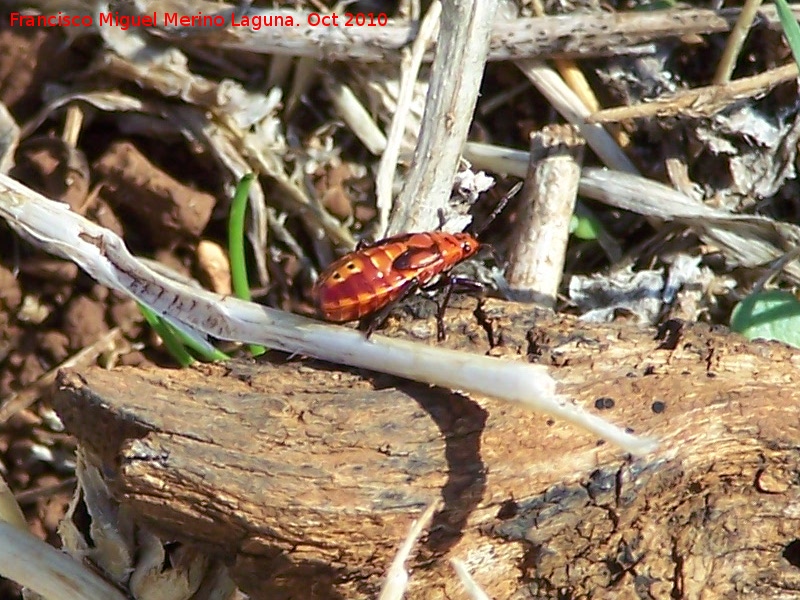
{"x":306,"y":477}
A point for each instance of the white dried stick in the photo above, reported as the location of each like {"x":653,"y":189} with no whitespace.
{"x":103,"y":255}
{"x":749,"y":240}
{"x":473,"y":589}
{"x":571,"y":107}
{"x":592,"y":33}
{"x":540,"y":236}
{"x":10,"y":511}
{"x":397,"y":578}
{"x":455,"y":79}
{"x":410,"y":70}
{"x":47,"y":571}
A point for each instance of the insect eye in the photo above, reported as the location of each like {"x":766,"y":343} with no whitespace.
{"x":466,"y":247}
{"x":351,"y":266}
{"x":337,"y":277}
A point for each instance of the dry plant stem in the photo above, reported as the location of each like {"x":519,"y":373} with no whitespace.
{"x":776,"y":267}
{"x":107,"y":101}
{"x":650,"y":198}
{"x":86,"y":356}
{"x":355,"y":115}
{"x":473,"y":589}
{"x":32,"y":495}
{"x":397,"y":577}
{"x":279,"y":71}
{"x":102,"y":254}
{"x":564,"y":100}
{"x":410,"y":71}
{"x":572,"y":75}
{"x":72,"y":125}
{"x":577,"y":82}
{"x":229,"y":141}
{"x":47,"y":571}
{"x":735,"y":42}
{"x":226,"y":146}
{"x":305,"y":75}
{"x":539,"y":240}
{"x":564,"y":36}
{"x":749,"y":240}
{"x":700,"y":102}
{"x":9,"y":139}
{"x":498,"y":159}
{"x":232,"y":151}
{"x":453,"y":91}
{"x":10,"y":511}
{"x":277,"y":224}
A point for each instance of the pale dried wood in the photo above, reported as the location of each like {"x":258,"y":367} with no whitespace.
{"x":409,"y":74}
{"x":563,"y":36}
{"x":539,"y":240}
{"x":569,"y":105}
{"x":699,"y":102}
{"x":306,"y":476}
{"x":455,"y":80}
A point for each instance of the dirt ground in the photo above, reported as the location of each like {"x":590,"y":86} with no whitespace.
{"x":168,"y":199}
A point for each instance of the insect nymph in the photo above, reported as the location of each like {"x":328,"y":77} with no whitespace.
{"x":365,"y":284}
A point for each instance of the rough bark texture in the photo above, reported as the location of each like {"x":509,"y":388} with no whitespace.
{"x":307,"y":476}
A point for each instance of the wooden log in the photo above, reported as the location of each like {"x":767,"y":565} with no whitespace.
{"x":306,"y":476}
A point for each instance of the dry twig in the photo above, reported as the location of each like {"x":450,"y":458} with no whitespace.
{"x":397,"y":577}
{"x":103,"y":255}
{"x":748,"y":240}
{"x":699,"y":102}
{"x":473,"y":589}
{"x":410,"y":71}
{"x":453,"y":91}
{"x":570,"y":106}
{"x":735,"y":42}
{"x":40,"y":567}
{"x":566,"y":36}
{"x":539,"y":240}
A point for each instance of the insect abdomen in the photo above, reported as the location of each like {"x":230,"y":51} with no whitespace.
{"x":358,"y":284}
{"x":365,"y":281}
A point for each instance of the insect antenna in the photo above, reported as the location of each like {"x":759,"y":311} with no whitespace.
{"x":477,"y":232}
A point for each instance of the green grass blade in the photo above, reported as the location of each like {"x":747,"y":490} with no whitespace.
{"x":241,"y":286}
{"x":168,"y":336}
{"x":176,"y":341}
{"x":213,"y":355}
{"x":790,"y":28}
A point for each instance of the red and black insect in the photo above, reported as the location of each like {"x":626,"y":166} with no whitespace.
{"x":366,"y":284}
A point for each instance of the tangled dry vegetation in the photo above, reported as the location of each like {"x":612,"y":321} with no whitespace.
{"x":689,"y":181}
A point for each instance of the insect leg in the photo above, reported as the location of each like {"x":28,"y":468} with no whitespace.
{"x":370,"y":323}
{"x":450,"y":282}
{"x":466,"y":284}
{"x":441,"y":334}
